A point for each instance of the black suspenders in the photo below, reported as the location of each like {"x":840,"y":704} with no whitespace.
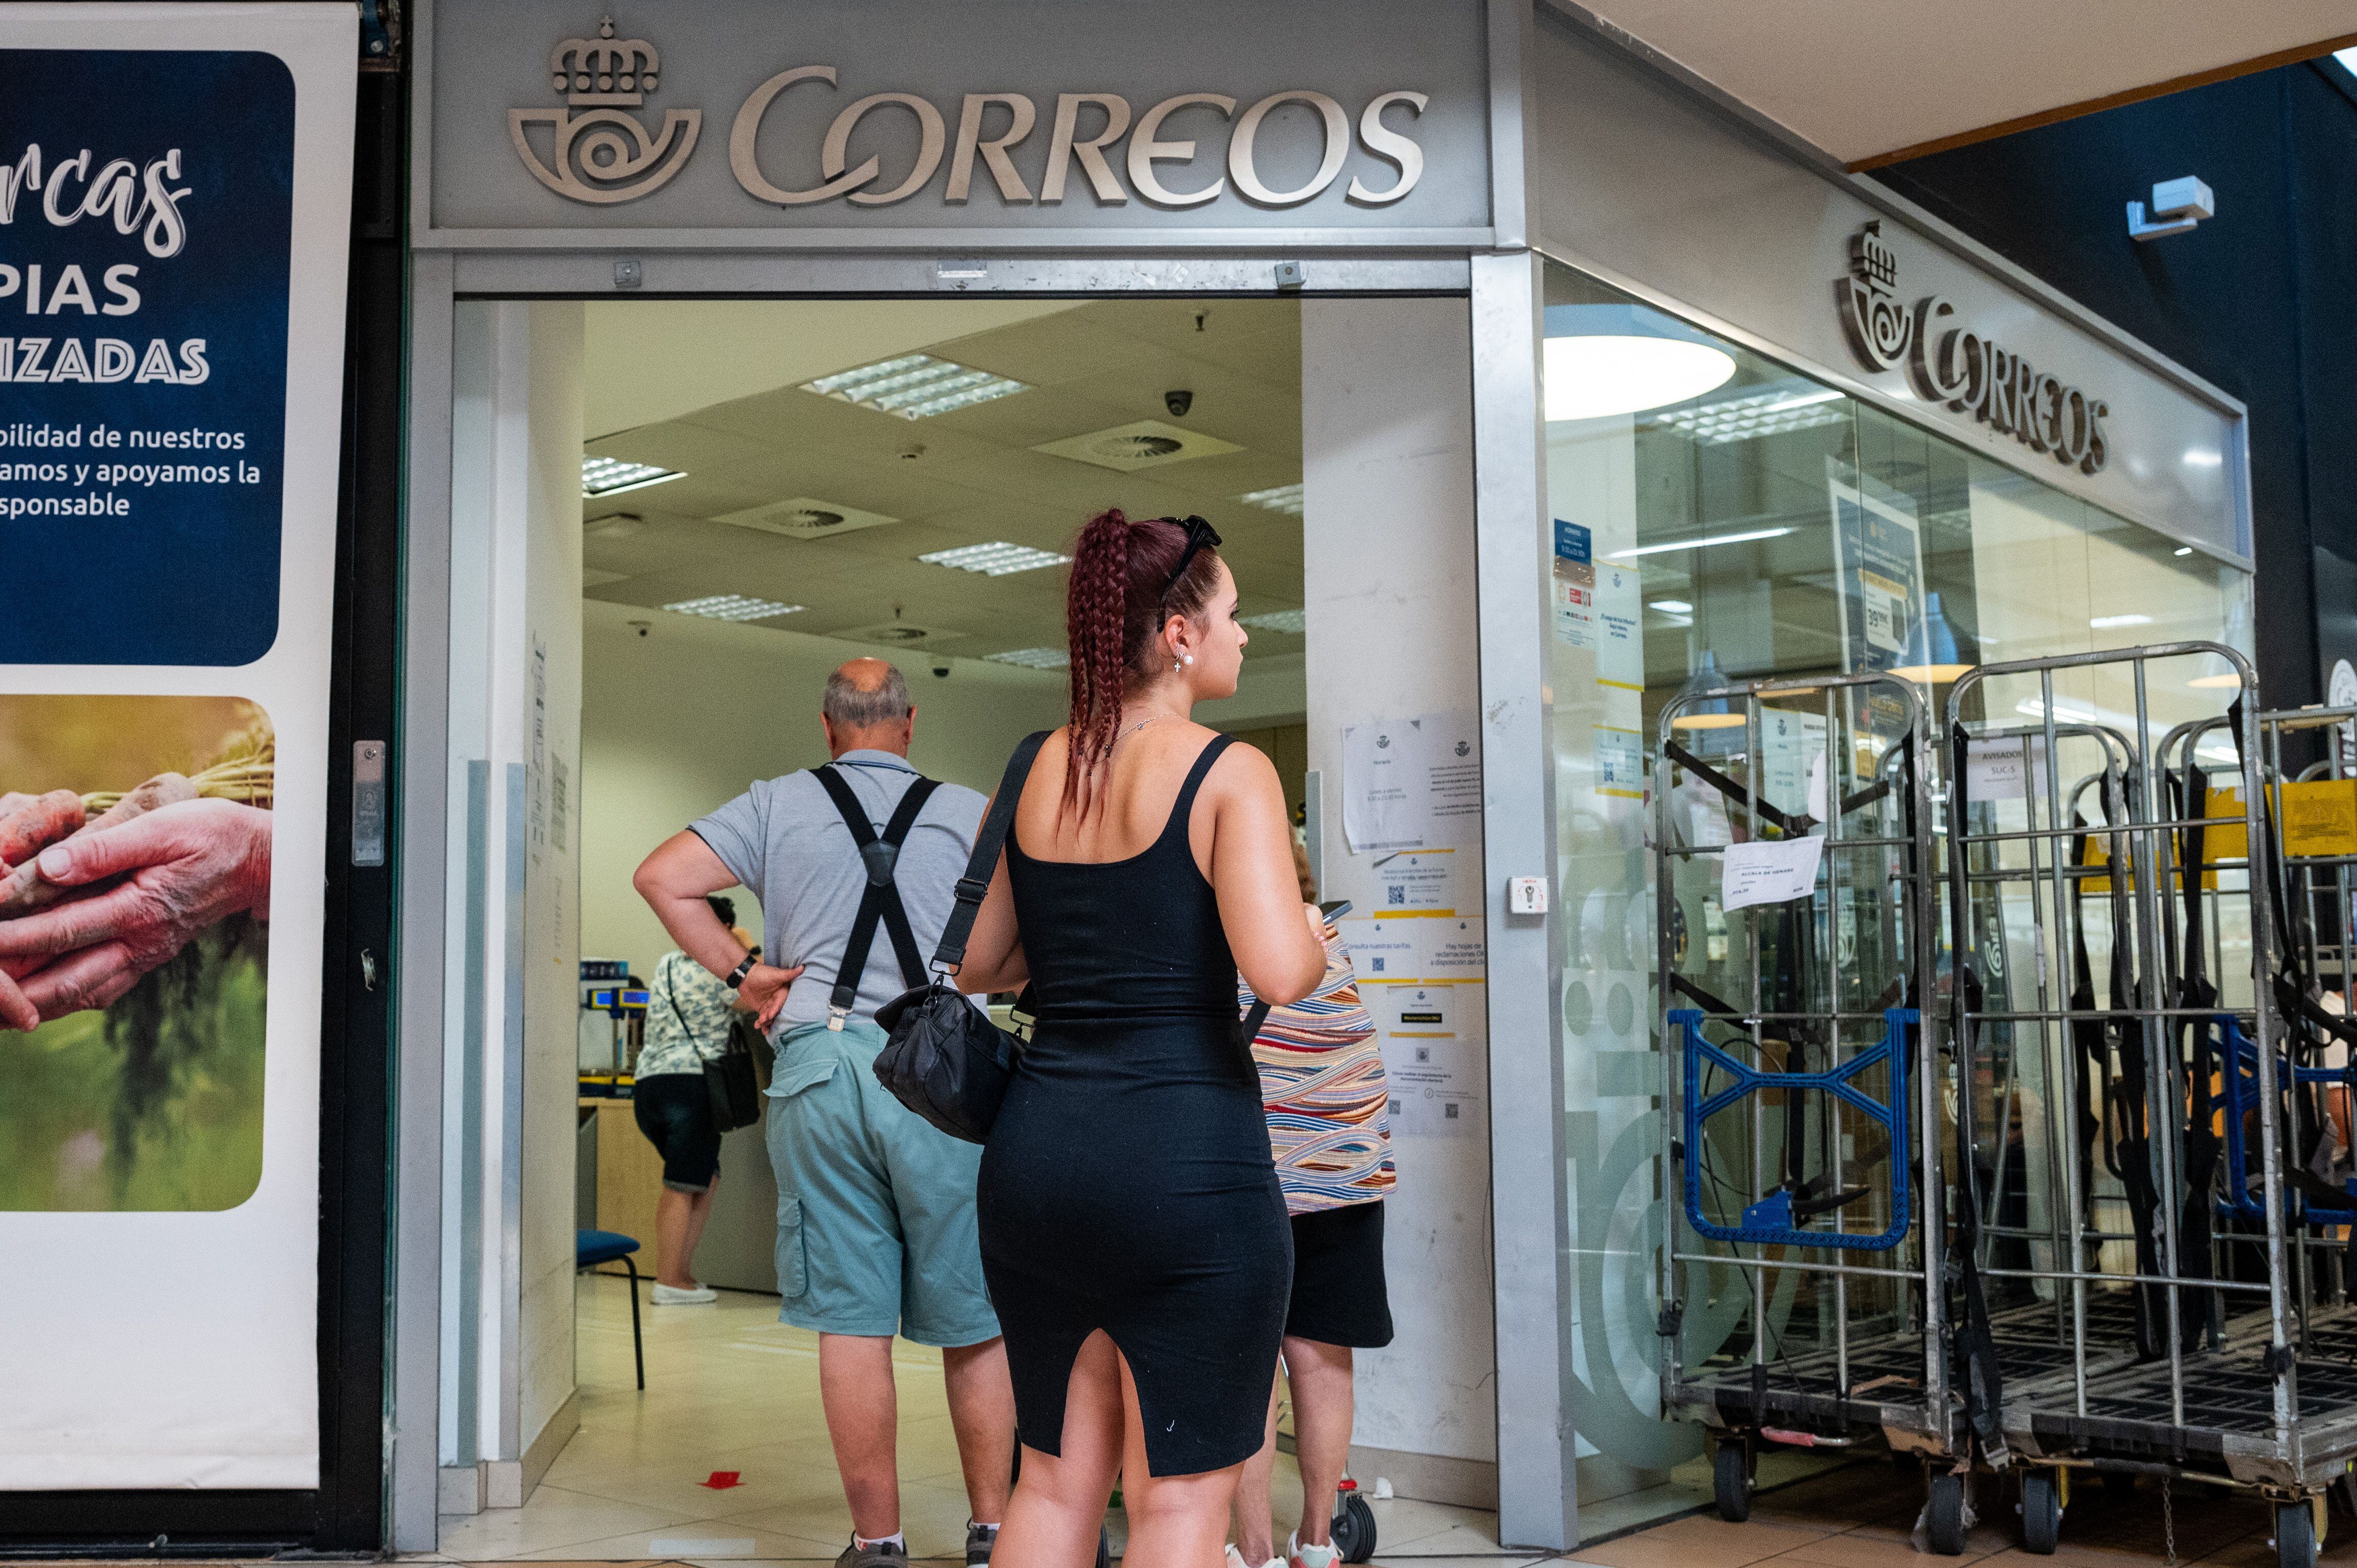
{"x":881,"y":901}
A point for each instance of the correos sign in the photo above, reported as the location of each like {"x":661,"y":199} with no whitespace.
{"x":1039,"y":121}
{"x":599,"y":150}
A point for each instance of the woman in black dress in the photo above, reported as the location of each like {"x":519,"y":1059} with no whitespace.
{"x":1133,"y":1232}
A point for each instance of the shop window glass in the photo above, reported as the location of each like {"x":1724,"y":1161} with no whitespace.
{"x":1717,"y":515}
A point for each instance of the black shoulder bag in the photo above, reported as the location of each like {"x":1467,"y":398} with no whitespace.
{"x":731,"y":1080}
{"x":946,"y":1060}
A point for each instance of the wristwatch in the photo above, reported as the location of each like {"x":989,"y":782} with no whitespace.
{"x":737,"y":976}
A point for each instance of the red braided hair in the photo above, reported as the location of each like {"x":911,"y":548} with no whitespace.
{"x":1114,"y":612}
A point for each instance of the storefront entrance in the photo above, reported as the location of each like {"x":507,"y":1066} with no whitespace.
{"x":669,"y":519}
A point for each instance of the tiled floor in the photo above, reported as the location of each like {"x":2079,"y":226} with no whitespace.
{"x":730,"y":1388}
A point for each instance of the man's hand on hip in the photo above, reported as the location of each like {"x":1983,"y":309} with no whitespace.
{"x":763,"y":992}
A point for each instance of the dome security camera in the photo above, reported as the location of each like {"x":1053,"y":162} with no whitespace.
{"x":1179,"y":400}
{"x":942,"y":667}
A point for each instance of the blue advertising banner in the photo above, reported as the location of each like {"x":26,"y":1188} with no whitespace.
{"x":145,"y":229}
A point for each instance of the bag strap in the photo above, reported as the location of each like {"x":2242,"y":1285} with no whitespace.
{"x":984,"y":864}
{"x":880,"y":901}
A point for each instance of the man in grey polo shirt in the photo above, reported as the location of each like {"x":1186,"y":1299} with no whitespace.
{"x":876,"y":1215}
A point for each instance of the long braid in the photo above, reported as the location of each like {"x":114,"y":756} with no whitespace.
{"x":1096,"y":621}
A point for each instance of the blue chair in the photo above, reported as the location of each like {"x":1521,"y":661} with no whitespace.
{"x":591,"y":1248}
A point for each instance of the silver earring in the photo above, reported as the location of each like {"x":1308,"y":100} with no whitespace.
{"x":1174,"y":666}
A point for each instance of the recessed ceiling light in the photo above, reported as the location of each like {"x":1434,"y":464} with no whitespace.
{"x":1276,"y":620}
{"x":1034,"y":657}
{"x":915,"y":386}
{"x":1757,"y":412}
{"x":2105,"y":623}
{"x":1671,"y":606}
{"x":1286,"y":499}
{"x":995,"y":559}
{"x":611,"y":476}
{"x":2184,"y":550}
{"x":733,"y":606}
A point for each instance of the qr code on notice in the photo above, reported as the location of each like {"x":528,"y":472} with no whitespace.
{"x":1448,"y":1112}
{"x":1397,"y":891}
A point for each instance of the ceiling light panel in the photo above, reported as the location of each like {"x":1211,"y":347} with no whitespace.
{"x":1034,"y":657}
{"x":915,"y":386}
{"x":995,"y":559}
{"x":1276,"y":620}
{"x":733,"y":606}
{"x":611,"y":476}
{"x":1771,"y":411}
{"x":1286,"y":499}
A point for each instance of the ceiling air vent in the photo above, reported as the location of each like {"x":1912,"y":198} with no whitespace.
{"x":1147,"y":444}
{"x":804,"y":518}
{"x":900,"y":634}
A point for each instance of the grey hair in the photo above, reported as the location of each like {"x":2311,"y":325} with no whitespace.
{"x":854,"y":706}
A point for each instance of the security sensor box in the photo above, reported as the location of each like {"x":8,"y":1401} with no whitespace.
{"x":2186,"y":197}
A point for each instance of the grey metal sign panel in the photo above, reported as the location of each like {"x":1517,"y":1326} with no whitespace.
{"x":1015,"y":123}
{"x":1639,"y":184}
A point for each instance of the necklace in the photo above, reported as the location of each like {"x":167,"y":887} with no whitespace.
{"x":1140,"y":725}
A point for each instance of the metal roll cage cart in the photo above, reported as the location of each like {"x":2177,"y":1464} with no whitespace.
{"x":1880,"y":1363}
{"x":2182,"y":1395}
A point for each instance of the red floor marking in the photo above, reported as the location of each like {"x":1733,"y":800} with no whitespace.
{"x":722,"y":1480}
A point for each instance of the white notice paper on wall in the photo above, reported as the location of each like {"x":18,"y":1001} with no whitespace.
{"x":1412,"y":783}
{"x":2001,"y":769}
{"x":1771,"y":872}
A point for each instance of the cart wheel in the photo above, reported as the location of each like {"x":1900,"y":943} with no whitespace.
{"x":1355,"y":1528}
{"x":1730,"y":1481}
{"x":1945,"y":1518}
{"x":2295,"y":1535}
{"x":1104,"y":1547}
{"x":2042,"y":1513}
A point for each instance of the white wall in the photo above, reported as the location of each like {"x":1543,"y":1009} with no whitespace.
{"x":1387,"y":462}
{"x":682,"y":719}
{"x":511,"y":954}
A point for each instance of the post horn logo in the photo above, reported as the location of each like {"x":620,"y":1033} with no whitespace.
{"x":605,"y":154}
{"x":1878,"y":325}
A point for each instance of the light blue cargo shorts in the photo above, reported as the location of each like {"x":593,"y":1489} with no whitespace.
{"x":875,"y":1218}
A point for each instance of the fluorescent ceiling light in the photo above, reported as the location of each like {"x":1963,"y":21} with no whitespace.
{"x":2215,"y":682}
{"x":915,"y":386}
{"x":1771,"y":411}
{"x":1276,"y":620}
{"x":2202,"y":458}
{"x":1701,"y":543}
{"x":1286,"y":499}
{"x":1671,"y":606}
{"x":2105,"y":623}
{"x":1034,"y":657}
{"x":2183,"y":550}
{"x":733,"y":606}
{"x":995,"y":559}
{"x":611,"y":476}
{"x":1589,"y":377}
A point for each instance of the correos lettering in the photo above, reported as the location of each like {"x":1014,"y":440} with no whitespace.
{"x":606,"y":154}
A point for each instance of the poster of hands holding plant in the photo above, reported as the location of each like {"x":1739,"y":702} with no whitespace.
{"x":135,"y":907}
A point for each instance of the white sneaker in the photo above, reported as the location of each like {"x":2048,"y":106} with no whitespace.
{"x":1299,"y":1556}
{"x":1236,"y":1558}
{"x":667,"y":1295}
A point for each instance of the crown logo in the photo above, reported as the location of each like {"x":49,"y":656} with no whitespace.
{"x":604,"y":70}
{"x":603,"y":153}
{"x":1871,"y":260}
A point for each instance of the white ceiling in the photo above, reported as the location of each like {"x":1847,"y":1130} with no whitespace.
{"x":753,"y":436}
{"x":1864,"y":78}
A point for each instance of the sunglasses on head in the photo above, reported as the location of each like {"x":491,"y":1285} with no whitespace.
{"x":1199,"y":535}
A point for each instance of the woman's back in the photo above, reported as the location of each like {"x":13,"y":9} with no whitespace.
{"x":1116,"y":907}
